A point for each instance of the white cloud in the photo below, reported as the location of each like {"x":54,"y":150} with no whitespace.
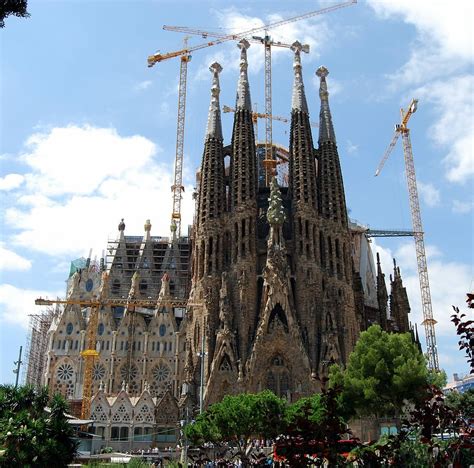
{"x":463,"y":207}
{"x":449,"y":282}
{"x":114,"y":177}
{"x":77,"y":159}
{"x":440,"y":64}
{"x":11,"y":182}
{"x":11,"y":261}
{"x":429,"y":193}
{"x":454,"y":129}
{"x":351,"y":148}
{"x":444,"y":39}
{"x":143,"y":85}
{"x":17,"y":304}
{"x":312,"y":31}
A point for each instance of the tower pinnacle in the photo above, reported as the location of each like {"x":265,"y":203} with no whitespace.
{"x":243,"y":91}
{"x":214,"y":126}
{"x":299,"y":98}
{"x":326,"y":130}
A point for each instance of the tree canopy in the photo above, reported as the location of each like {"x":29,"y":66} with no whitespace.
{"x":32,"y":434}
{"x":384,"y":371}
{"x":237,"y":419}
{"x":12,"y":7}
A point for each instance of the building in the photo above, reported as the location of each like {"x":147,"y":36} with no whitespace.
{"x":279,"y":284}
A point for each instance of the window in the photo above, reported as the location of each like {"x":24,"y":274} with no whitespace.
{"x":162,"y":329}
{"x":69,"y":328}
{"x":101,"y":329}
{"x":89,"y":285}
{"x":114,"y":433}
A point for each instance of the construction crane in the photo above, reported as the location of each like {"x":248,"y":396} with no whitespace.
{"x":185,"y":55}
{"x":257,"y":115}
{"x":428,"y":321}
{"x":177,"y":188}
{"x":90,"y":354}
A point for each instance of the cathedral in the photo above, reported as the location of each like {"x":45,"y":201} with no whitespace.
{"x":271,"y":286}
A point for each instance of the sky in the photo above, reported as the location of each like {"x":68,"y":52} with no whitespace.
{"x":88,"y":132}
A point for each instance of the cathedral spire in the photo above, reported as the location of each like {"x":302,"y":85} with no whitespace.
{"x":243,"y":90}
{"x":243,"y":165}
{"x":299,"y":97}
{"x":214,"y":126}
{"x":212,"y":185}
{"x":382,"y":295}
{"x":326,"y":129}
{"x":332,"y":202}
{"x":302,"y":163}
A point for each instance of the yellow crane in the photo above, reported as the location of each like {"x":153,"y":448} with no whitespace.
{"x":90,"y":353}
{"x":185,"y":56}
{"x":428,"y":321}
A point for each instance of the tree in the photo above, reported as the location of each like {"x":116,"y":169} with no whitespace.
{"x":32,"y":434}
{"x":462,"y":402}
{"x":384,"y":371}
{"x":236,"y":420}
{"x":13,"y":7}
{"x":314,"y":428}
{"x":465,"y":331}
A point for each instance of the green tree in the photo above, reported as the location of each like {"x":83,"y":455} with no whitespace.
{"x":462,"y":402}
{"x":314,"y":427}
{"x":32,"y":434}
{"x":12,"y":7}
{"x":384,"y":371}
{"x":238,"y":419}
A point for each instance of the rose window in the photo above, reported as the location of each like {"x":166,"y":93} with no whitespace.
{"x":65,"y":371}
{"x":128,"y":373}
{"x":161,"y":373}
{"x":98,"y":372}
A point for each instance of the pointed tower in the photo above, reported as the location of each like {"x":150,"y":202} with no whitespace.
{"x":203,"y":320}
{"x":342,"y":309}
{"x":211,"y":195}
{"x":399,"y":305}
{"x":302,"y":163}
{"x":305,"y":223}
{"x":382,"y":295}
{"x":241,"y":232}
{"x":243,"y":167}
{"x":332,"y":201}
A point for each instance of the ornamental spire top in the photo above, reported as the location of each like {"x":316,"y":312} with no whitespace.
{"x":214,"y":126}
{"x":326,"y":129}
{"x":243,"y":90}
{"x":299,"y":97}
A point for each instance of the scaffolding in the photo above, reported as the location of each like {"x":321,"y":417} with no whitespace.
{"x":37,"y":345}
{"x":166,"y":257}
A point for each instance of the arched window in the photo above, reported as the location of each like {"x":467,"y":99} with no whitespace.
{"x":69,"y":328}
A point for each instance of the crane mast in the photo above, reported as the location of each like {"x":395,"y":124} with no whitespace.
{"x":269,"y":161}
{"x":177,"y":187}
{"x":90,"y":353}
{"x":428,"y":321}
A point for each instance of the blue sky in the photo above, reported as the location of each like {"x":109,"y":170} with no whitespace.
{"x":88,"y":131}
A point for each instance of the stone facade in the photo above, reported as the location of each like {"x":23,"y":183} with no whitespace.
{"x":275,"y":301}
{"x":279,"y":284}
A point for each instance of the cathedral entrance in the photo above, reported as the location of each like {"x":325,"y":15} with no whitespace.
{"x":278,"y":378}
